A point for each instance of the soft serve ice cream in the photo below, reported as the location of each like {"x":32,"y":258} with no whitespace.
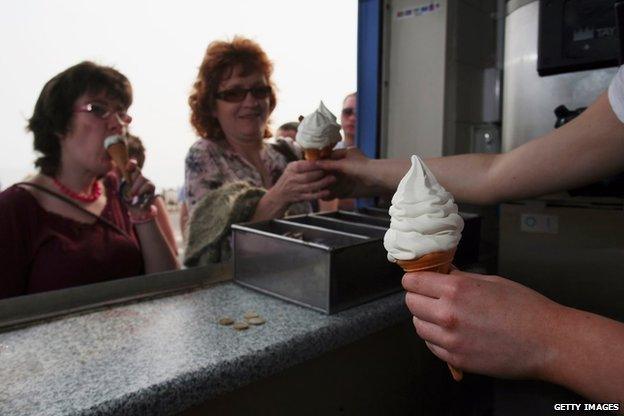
{"x":318,"y":133}
{"x":425,"y":226}
{"x":424,"y":217}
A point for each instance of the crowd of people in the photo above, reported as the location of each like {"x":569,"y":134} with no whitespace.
{"x":70,"y":225}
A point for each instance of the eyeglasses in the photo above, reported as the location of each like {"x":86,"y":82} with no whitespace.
{"x":348,"y":111}
{"x":237,"y":95}
{"x":102,"y":111}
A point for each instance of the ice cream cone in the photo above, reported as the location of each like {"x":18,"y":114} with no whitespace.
{"x":439,"y":262}
{"x":119,"y":153}
{"x":326,"y":152}
{"x":316,"y":154}
{"x":311,"y":154}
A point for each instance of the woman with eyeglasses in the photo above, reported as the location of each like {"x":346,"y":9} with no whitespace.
{"x":232,"y":175}
{"x":67,"y":225}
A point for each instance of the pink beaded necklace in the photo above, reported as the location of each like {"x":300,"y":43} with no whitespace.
{"x":96,"y":191}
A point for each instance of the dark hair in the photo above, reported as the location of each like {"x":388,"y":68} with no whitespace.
{"x":219,"y":61}
{"x":54,"y":108}
{"x":136,"y":150}
{"x":291,"y":125}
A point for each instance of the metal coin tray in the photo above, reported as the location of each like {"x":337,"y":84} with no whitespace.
{"x":328,"y":262}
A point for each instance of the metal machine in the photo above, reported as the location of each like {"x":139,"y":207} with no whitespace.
{"x":569,"y":246}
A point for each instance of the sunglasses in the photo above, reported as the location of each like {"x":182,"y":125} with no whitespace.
{"x":102,"y":111}
{"x":237,"y":95}
{"x":348,"y":111}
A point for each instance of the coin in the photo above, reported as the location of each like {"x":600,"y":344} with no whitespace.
{"x":226,"y":320}
{"x":240,"y":326}
{"x":250,"y":314}
{"x":256,"y":321}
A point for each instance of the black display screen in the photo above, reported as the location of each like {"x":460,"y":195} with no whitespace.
{"x":576,"y":35}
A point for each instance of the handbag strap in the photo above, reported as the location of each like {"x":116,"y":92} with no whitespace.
{"x":77,"y":206}
{"x":284,"y":148}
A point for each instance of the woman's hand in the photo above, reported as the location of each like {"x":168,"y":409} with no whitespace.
{"x":301,"y":181}
{"x":483,"y":324}
{"x":158,"y":255}
{"x":142,"y":190}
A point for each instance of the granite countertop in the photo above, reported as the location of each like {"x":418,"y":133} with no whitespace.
{"x":162,"y":356}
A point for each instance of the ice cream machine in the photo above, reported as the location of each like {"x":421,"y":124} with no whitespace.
{"x":559,"y":57}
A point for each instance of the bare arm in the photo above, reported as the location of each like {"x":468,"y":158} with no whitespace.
{"x":494,"y":326}
{"x":588,"y":356}
{"x":184,"y":217}
{"x":588,"y":148}
{"x":157,"y":255}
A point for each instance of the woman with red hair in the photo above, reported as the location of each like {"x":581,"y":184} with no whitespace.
{"x":231,"y":174}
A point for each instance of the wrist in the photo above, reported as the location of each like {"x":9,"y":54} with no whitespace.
{"x":554,"y":340}
{"x":269,"y":207}
{"x":143,"y":216}
{"x":274,"y":200}
{"x":372,"y":179}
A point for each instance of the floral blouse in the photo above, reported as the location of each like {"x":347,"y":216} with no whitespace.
{"x":210,"y":164}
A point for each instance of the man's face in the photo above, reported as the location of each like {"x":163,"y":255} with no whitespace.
{"x":347,"y":116}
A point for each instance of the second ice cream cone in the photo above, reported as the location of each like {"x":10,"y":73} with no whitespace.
{"x":119,"y":153}
{"x":316,"y":154}
{"x":311,"y":154}
{"x":439,"y":262}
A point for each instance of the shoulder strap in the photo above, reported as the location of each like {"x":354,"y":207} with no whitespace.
{"x":284,"y":148}
{"x":75,"y":205}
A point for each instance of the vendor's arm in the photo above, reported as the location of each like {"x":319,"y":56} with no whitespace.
{"x":588,"y":148}
{"x":494,"y":326}
{"x":582,"y":151}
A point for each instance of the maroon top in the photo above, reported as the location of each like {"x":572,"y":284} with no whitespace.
{"x":41,"y":250}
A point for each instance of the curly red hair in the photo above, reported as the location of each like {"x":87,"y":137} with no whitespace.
{"x":219,"y":61}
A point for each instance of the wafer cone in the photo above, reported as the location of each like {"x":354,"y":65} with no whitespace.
{"x":439,"y":262}
{"x":311,"y":154}
{"x":119,"y":153}
{"x":316,"y":154}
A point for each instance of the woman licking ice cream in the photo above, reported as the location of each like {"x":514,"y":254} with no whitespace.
{"x":67,"y":225}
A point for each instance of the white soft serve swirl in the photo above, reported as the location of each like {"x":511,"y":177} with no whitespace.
{"x":424,"y":216}
{"x":319,"y":129}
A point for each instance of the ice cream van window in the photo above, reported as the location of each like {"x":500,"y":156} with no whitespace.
{"x":160,"y":90}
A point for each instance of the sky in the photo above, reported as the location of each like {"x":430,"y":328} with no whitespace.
{"x":159,"y":46}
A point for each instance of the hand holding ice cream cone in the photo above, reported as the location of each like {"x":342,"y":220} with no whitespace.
{"x":133,"y":190}
{"x":425,"y":226}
